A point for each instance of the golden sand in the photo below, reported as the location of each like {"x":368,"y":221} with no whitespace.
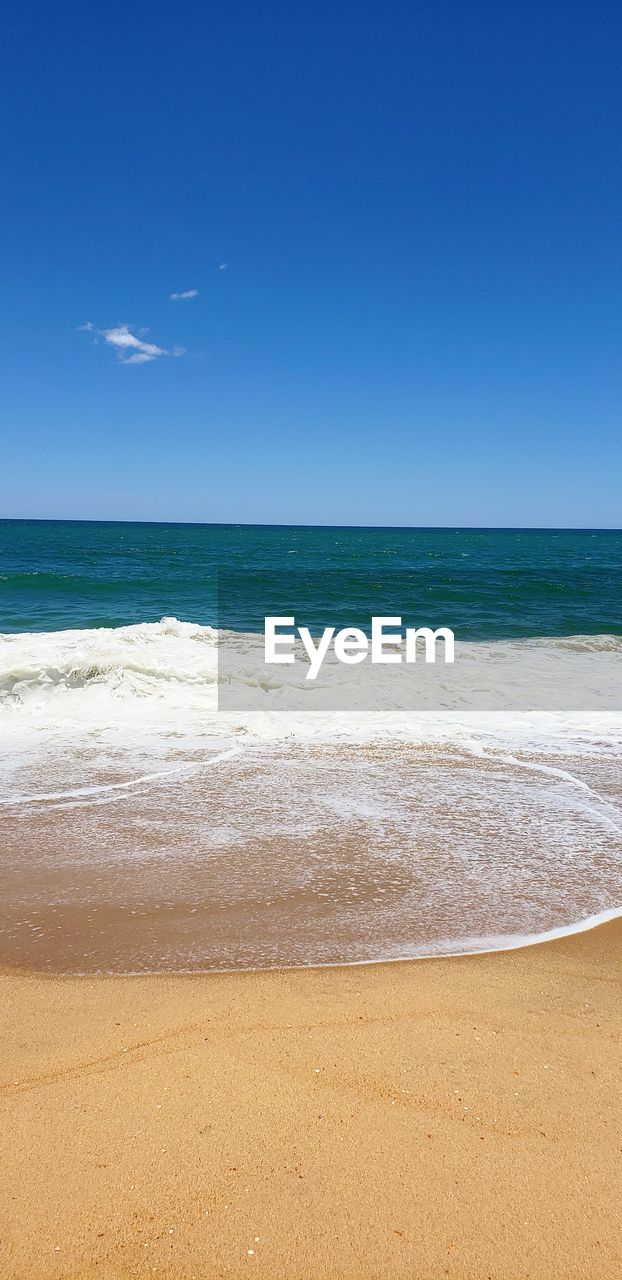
{"x":436,"y":1118}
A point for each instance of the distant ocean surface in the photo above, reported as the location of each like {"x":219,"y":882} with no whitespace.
{"x":486,"y":584}
{"x":147,"y":829}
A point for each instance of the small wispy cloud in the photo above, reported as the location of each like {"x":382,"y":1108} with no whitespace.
{"x":130,"y":347}
{"x":223,"y":266}
{"x":184,"y":297}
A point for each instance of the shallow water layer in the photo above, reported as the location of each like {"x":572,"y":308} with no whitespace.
{"x":296,"y":853}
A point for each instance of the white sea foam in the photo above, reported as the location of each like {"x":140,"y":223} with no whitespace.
{"x":163,"y":677}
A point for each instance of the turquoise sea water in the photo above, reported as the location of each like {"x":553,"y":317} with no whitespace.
{"x":485,"y":583}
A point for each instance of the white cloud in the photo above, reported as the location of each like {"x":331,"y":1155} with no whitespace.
{"x":124,"y":341}
{"x":223,"y":266}
{"x":138,"y":357}
{"x":129,"y":347}
{"x":184,"y":297}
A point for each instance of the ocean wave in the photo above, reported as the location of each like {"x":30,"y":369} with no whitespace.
{"x":577,"y":644}
{"x":179,"y":676}
{"x":77,"y":659}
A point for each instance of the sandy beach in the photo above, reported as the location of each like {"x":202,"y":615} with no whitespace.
{"x":434,"y":1118}
{"x":311,"y":643}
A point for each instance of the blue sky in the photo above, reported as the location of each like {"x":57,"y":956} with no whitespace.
{"x":419,"y":209}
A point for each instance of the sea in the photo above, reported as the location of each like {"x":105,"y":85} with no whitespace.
{"x":163,"y":809}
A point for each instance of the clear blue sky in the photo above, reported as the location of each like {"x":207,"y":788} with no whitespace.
{"x":419,"y":206}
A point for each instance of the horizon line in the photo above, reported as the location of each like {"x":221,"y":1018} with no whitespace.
{"x":265,"y":524}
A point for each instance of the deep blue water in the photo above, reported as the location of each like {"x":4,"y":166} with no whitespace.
{"x":484,"y":583}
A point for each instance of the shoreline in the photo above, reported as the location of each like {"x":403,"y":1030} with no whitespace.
{"x":513,"y":942}
{"x":160,"y":1126}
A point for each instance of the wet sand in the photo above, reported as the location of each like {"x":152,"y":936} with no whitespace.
{"x":435,"y":1118}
